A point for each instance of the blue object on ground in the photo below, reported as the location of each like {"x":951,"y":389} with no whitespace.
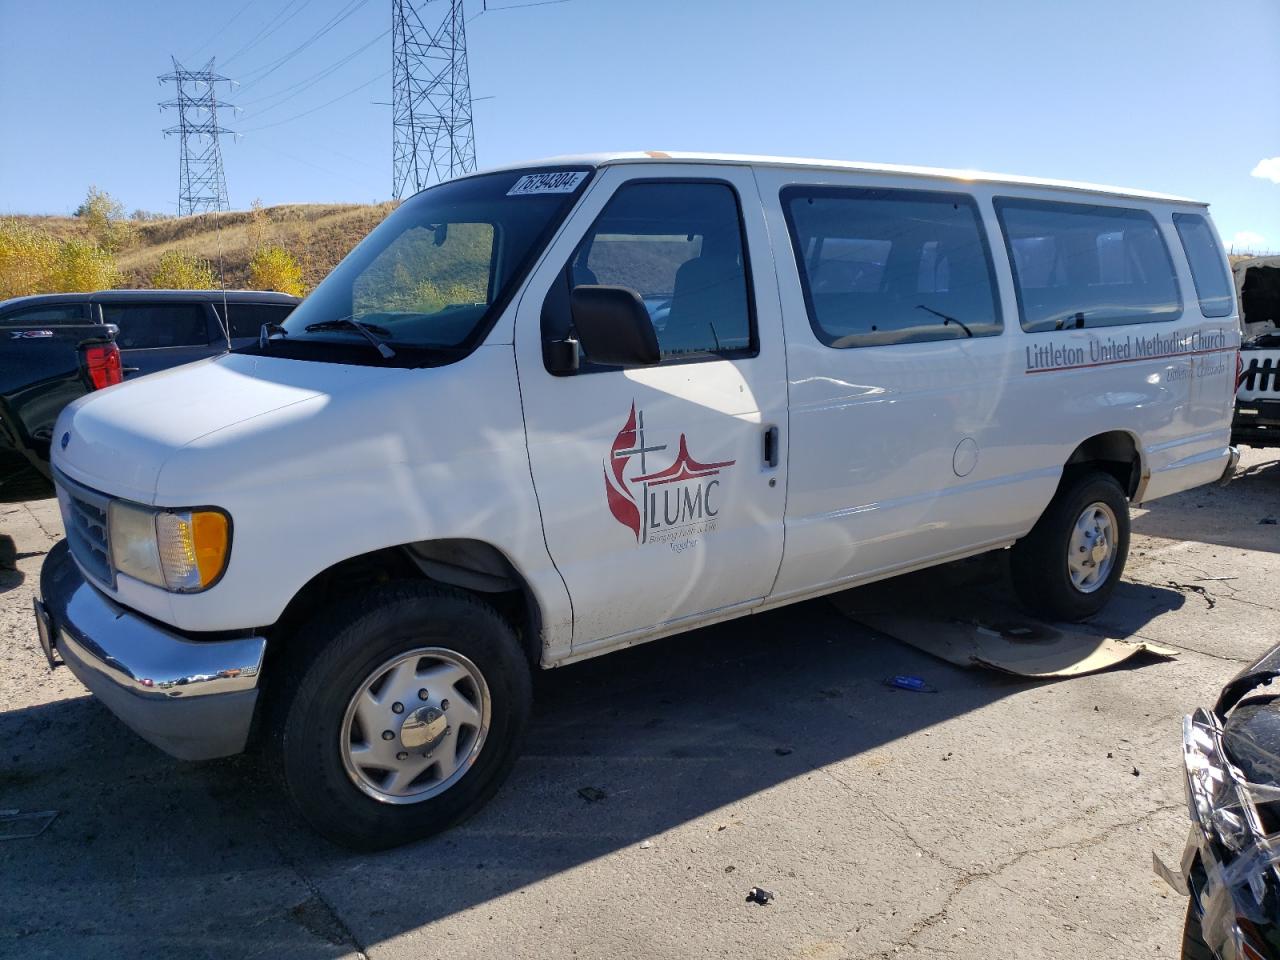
{"x":914,"y":684}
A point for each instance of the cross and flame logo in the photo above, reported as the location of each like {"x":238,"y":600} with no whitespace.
{"x":629,"y":443}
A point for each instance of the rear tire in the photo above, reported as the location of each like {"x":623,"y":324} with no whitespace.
{"x":438,"y":670}
{"x":1193,"y":945}
{"x":1068,"y":566}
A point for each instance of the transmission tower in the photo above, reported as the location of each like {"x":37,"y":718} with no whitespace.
{"x":202,"y":185}
{"x":432,"y":135}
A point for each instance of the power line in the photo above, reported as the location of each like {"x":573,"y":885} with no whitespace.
{"x":307,"y":113}
{"x":485,"y":8}
{"x":284,"y":23}
{"x":289,"y":92}
{"x":261,"y":34}
{"x":330,"y":25}
{"x":518,"y":6}
{"x":296,"y":159}
{"x":222,"y":29}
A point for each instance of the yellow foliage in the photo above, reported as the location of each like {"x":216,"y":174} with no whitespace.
{"x":180,"y":270}
{"x":81,"y":267}
{"x":33,"y":262}
{"x":27,"y":259}
{"x":275,"y":268}
{"x":429,"y":298}
{"x":104,"y":216}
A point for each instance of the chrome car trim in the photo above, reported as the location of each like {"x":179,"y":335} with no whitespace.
{"x":1229,"y":473}
{"x":136,"y":654}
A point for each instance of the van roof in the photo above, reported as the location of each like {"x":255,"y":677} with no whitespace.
{"x":933,"y":173}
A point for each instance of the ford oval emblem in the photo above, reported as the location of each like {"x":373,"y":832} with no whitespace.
{"x":66,"y":438}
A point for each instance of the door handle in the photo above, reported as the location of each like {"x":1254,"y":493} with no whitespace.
{"x":771,"y":446}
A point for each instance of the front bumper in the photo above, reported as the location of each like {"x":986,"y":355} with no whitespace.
{"x":194,"y":699}
{"x":1229,"y":471}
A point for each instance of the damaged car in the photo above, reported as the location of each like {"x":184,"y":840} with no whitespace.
{"x":1231,"y":865}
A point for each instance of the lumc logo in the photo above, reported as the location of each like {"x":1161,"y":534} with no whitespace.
{"x":658,"y":506}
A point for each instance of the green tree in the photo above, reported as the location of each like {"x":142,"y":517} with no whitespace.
{"x":275,"y":268}
{"x":182,"y":270}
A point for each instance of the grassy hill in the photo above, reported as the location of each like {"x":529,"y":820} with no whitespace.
{"x":319,"y":235}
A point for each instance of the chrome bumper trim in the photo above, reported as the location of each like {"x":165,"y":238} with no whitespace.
{"x":192,"y":698}
{"x":1229,"y":473}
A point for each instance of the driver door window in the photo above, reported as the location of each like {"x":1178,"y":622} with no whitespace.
{"x":679,"y":245}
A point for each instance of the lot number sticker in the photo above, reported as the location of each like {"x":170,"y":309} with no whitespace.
{"x":564,"y":181}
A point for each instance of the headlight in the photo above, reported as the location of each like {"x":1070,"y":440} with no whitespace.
{"x":183,"y":551}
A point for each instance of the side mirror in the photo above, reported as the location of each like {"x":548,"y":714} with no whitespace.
{"x":613,"y":326}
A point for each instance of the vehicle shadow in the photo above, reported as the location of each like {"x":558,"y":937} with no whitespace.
{"x":662,"y":735}
{"x":667,"y":733}
{"x":1244,"y":514}
{"x":10,"y":575}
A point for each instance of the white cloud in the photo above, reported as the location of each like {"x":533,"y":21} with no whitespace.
{"x":1267,"y":169}
{"x":1247,"y":240}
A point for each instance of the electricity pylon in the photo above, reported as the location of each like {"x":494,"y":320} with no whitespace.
{"x":432,"y":135}
{"x":202,"y":184}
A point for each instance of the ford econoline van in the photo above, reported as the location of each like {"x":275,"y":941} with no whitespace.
{"x":543,"y":413}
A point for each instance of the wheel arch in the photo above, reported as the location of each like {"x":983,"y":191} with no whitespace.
{"x":476,"y":566}
{"x":1117,"y":452}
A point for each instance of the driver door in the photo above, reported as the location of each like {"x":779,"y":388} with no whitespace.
{"x":661,"y":488}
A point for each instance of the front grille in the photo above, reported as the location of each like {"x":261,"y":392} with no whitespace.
{"x":84,"y":516}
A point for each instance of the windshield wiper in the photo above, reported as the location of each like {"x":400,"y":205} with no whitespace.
{"x":267,"y":329}
{"x":370,"y":331}
{"x":946,"y":319}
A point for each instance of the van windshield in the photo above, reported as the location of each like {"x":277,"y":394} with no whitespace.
{"x":434,"y":274}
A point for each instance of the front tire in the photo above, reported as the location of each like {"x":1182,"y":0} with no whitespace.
{"x":404,"y":710}
{"x":1068,"y":566}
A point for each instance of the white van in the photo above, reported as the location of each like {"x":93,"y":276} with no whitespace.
{"x":546,"y":412}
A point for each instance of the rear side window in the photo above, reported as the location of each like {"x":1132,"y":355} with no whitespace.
{"x":881,"y":267}
{"x":144,"y":326}
{"x":680,"y":246}
{"x":52,"y":315}
{"x":1083,"y":265}
{"x":247,"y":318}
{"x":1213,"y":287}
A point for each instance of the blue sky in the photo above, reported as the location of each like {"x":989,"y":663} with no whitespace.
{"x":1172,"y":95}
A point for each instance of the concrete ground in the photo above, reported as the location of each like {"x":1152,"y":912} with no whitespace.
{"x":995,"y":818}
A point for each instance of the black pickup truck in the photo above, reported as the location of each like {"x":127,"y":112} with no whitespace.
{"x":57,"y":347}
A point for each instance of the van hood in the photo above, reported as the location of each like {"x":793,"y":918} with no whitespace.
{"x":118,"y":440}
